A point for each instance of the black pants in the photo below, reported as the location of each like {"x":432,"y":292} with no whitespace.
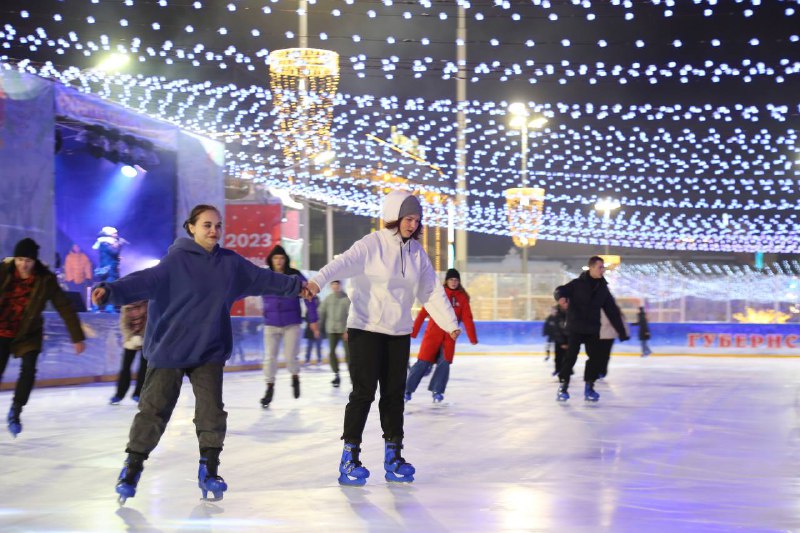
{"x":376,"y":358}
{"x":604,"y":354}
{"x":162,"y":386}
{"x":593,"y":350}
{"x":27,"y":372}
{"x":124,"y":380}
{"x":561,"y":354}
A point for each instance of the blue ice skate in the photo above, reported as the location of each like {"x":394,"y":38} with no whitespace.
{"x":351,"y":472}
{"x":115,"y":400}
{"x":589,"y":393}
{"x":562,"y":395}
{"x":14,"y":423}
{"x":407,"y":396}
{"x":438,"y":397}
{"x":207,"y":477}
{"x":129,"y":478}
{"x":397,"y":469}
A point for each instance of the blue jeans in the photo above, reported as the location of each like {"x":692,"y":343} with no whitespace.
{"x":440,"y":376}
{"x":645,"y":348}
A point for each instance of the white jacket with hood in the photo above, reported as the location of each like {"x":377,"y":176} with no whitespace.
{"x":387,"y":275}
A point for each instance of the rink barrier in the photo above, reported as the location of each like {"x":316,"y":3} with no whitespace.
{"x":58,"y":364}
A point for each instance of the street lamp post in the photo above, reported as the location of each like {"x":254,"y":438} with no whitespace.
{"x":521,"y":120}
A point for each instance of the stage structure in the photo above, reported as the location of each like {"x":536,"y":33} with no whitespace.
{"x":62,"y":154}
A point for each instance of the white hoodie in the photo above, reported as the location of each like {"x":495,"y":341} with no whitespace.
{"x":387,"y":275}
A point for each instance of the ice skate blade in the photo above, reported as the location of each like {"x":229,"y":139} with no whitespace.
{"x":391,"y":477}
{"x":124,"y":492}
{"x":217,"y":496}
{"x":590,"y":399}
{"x":352,"y":482}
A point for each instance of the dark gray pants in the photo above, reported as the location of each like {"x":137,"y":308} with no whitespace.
{"x":27,"y":371}
{"x":333,"y":341}
{"x":376,"y":359}
{"x":162,"y":386}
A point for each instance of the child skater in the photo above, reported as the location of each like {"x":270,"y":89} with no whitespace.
{"x":132,"y":320}
{"x":437,"y":346}
{"x":555,"y":328}
{"x":390,"y":269}
{"x":188,"y":333}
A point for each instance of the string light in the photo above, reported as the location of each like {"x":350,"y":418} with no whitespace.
{"x":698,"y":176}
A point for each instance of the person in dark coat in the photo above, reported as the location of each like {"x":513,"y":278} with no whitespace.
{"x":644,"y":332}
{"x":190,"y":292}
{"x":555,"y":330}
{"x":25,"y":287}
{"x":587,"y":295}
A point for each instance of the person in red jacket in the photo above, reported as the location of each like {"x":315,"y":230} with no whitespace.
{"x":437,"y":346}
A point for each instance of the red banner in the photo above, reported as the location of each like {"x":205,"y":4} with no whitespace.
{"x":251,"y":230}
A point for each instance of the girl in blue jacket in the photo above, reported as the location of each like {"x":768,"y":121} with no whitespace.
{"x":188,"y":333}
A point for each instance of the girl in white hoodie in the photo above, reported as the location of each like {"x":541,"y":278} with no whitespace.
{"x":389,"y":270}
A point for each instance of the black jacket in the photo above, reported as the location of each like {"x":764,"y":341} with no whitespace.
{"x":644,"y":327}
{"x":555,"y":326}
{"x":31,"y":328}
{"x":586,"y":297}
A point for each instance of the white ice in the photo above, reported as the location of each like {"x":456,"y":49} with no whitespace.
{"x":675,"y":444}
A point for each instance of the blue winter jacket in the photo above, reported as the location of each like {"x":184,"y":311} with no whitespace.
{"x":284,"y":311}
{"x":191,"y":292}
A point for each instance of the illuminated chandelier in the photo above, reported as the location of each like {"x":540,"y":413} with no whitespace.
{"x":304,"y":83}
{"x":525,"y":206}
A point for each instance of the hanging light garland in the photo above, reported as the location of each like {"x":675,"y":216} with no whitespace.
{"x":697,"y":176}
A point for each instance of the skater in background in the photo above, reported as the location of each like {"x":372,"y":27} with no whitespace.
{"x":644,"y":332}
{"x":333,"y":318}
{"x":555,"y":330}
{"x":78,"y":271}
{"x":437,"y":346}
{"x":587,"y":295}
{"x":191,"y":292}
{"x":283,"y":316}
{"x":390,"y":269}
{"x":26,"y":285}
{"x":132,"y":321}
{"x":313,"y":341}
{"x":607,"y":337}
{"x":548,"y":338}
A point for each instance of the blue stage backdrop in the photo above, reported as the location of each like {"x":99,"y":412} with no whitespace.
{"x":93,"y":192}
{"x":101,"y":360}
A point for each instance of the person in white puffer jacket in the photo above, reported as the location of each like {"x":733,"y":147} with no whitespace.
{"x":389,"y":270}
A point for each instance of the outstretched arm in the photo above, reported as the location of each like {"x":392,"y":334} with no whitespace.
{"x":431,"y":294}
{"x":136,"y":286}
{"x":255,"y":281}
{"x":347,"y":265}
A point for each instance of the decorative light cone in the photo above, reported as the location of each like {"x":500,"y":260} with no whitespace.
{"x":525,"y":206}
{"x":304,"y":83}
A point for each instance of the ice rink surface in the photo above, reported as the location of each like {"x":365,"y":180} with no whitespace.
{"x":675,"y":444}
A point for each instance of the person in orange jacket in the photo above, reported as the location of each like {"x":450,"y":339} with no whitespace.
{"x":78,"y":271}
{"x":437,"y":346}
